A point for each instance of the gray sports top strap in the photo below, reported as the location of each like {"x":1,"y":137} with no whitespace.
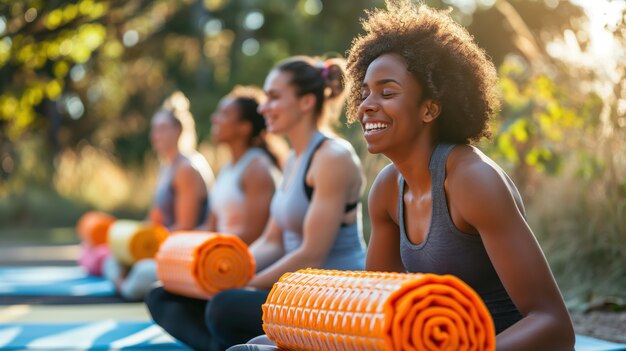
{"x":290,"y":205}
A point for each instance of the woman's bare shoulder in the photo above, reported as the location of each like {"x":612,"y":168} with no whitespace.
{"x":385,"y":185}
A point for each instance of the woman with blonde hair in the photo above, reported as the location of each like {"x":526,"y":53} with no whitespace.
{"x":181,"y":197}
{"x":185,"y":176}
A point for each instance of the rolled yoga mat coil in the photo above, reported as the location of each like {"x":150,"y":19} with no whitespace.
{"x":201,"y":264}
{"x":93,"y":226}
{"x":131,"y":241}
{"x":356,"y":310}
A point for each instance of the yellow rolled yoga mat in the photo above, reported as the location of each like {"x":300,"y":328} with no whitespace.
{"x":201,"y":264}
{"x":93,"y":226}
{"x":131,"y":241}
{"x":348,"y":310}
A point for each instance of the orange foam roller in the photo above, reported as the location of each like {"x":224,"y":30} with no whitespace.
{"x":92,"y":227}
{"x":318,"y":310}
{"x":131,"y":241}
{"x":201,"y":264}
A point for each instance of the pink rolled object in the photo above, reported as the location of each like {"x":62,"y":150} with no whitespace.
{"x":92,"y":258}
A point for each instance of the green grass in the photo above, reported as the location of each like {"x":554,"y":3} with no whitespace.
{"x":38,"y":236}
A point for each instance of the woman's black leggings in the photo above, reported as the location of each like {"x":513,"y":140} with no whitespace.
{"x":231,"y":317}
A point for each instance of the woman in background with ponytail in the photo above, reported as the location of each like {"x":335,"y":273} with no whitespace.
{"x":181,"y":197}
{"x":180,"y":202}
{"x":315,"y":215}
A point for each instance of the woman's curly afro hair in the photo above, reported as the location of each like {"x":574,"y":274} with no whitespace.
{"x":441,"y":55}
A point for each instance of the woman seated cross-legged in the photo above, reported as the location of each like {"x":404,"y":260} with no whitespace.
{"x":181,"y":196}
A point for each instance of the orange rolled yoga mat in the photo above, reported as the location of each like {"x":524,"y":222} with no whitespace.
{"x":92,"y":227}
{"x":131,"y":241}
{"x":201,"y":264}
{"x":349,"y":310}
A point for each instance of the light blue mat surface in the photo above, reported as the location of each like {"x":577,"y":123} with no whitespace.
{"x":46,"y":281}
{"x":95,"y":336}
{"x":585,"y":343}
{"x":115,"y":335}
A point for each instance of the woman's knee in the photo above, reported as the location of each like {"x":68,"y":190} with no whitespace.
{"x":156,"y":301}
{"x":261,"y":340}
{"x":220,"y":308}
{"x":139,"y":281}
{"x":235,"y":316}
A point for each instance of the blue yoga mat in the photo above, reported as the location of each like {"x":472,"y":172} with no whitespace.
{"x":101,"y":335}
{"x":49,"y":281}
{"x":114,"y":335}
{"x":586,"y":343}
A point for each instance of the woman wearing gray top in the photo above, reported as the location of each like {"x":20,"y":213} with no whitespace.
{"x":181,"y":197}
{"x":423,"y":90}
{"x":180,"y":201}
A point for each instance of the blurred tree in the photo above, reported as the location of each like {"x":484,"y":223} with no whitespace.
{"x":77,"y":73}
{"x":94,"y":70}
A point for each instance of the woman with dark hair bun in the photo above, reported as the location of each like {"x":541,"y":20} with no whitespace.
{"x":244,"y":187}
{"x":315,"y":213}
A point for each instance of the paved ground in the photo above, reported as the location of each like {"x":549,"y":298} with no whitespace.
{"x":604,"y":325}
{"x":73,"y":313}
{"x":38,"y":255}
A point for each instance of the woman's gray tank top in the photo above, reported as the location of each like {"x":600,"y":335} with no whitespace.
{"x":290,"y":205}
{"x":447,"y":250}
{"x":164,"y":195}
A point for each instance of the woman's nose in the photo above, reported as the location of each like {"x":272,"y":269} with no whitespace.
{"x":368,"y":104}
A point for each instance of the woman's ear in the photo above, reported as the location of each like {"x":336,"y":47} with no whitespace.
{"x":246,"y":127}
{"x":307,"y":102}
{"x":432,"y":110}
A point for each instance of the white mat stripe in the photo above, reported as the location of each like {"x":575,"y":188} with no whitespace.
{"x":7,"y":335}
{"x":139,"y":337}
{"x":82,"y":337}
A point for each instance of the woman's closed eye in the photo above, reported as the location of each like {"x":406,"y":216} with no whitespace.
{"x":387,"y":93}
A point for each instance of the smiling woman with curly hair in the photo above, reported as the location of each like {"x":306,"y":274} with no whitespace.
{"x":442,"y":56}
{"x":423,"y":90}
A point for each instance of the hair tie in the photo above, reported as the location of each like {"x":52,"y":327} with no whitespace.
{"x":326,"y":68}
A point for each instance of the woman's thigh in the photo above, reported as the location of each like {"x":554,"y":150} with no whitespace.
{"x":235,"y":316}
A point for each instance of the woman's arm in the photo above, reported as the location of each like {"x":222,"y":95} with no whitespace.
{"x":210,"y":224}
{"x":333,"y":173}
{"x":478,"y":192}
{"x":188,"y":192}
{"x":268,"y":248}
{"x":383,"y":250}
{"x":258,"y":188}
